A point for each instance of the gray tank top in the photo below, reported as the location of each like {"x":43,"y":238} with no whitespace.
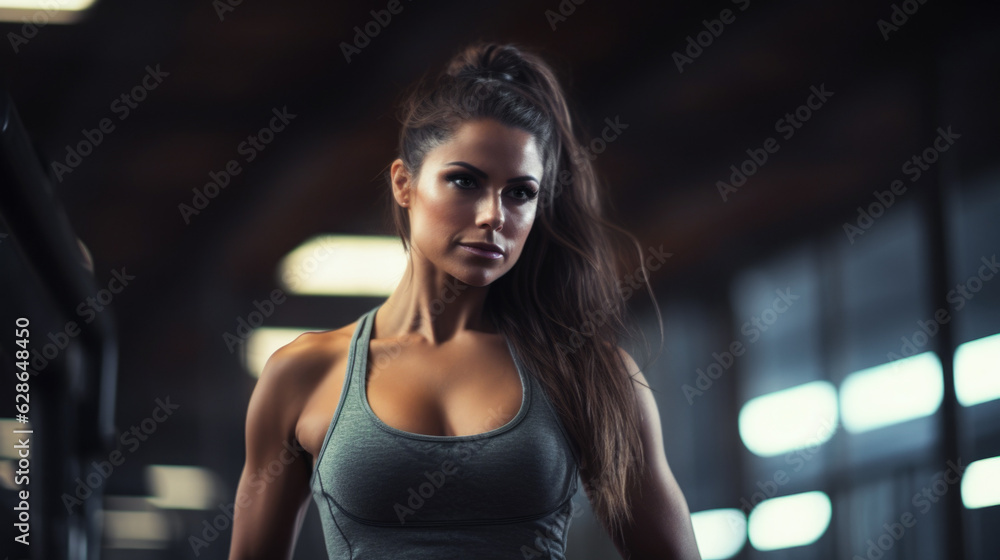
{"x":387,"y":494}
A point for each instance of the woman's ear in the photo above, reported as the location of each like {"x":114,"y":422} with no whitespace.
{"x":402,"y":183}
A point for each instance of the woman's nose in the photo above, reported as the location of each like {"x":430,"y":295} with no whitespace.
{"x":490,"y":211}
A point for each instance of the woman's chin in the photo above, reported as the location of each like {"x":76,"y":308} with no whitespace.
{"x":479,"y":278}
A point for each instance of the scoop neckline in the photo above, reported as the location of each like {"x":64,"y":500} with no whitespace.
{"x":362,"y":349}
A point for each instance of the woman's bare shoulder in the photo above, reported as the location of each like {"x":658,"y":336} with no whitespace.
{"x":294,"y":370}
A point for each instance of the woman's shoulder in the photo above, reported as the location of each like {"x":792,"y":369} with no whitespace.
{"x":295,"y":369}
{"x":289,"y":379}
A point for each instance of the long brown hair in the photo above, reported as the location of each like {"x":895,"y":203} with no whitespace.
{"x":565,"y":293}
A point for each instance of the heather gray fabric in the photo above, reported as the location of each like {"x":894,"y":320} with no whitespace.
{"x":387,"y":494}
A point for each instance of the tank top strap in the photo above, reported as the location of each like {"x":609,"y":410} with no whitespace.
{"x":347,"y":401}
{"x":358,"y":358}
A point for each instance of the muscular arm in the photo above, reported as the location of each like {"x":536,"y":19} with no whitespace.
{"x":661,"y":527}
{"x":273,"y":493}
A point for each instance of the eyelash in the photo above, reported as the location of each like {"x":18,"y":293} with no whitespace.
{"x":530,"y":193}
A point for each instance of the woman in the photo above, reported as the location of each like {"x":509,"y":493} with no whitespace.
{"x":468,"y":402}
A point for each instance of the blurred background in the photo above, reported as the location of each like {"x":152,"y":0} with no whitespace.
{"x":187,"y":184}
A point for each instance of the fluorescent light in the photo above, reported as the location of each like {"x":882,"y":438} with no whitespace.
{"x":72,"y":5}
{"x":7,"y":468}
{"x":118,"y":502}
{"x":344,"y":265}
{"x":43,"y":12}
{"x":135,"y":529}
{"x":182,"y":487}
{"x":263,"y":342}
{"x":8,"y":451}
{"x":977,"y":371}
{"x":892,"y":393}
{"x":8,"y":436}
{"x":720,"y":533}
{"x":788,"y":521}
{"x":789,"y":419}
{"x":979,"y":483}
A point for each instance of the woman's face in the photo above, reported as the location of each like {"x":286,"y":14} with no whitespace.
{"x":480,"y":187}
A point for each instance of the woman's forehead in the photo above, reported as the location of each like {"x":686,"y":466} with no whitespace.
{"x":489,"y":142}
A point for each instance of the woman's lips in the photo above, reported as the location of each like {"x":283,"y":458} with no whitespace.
{"x":481,"y":252}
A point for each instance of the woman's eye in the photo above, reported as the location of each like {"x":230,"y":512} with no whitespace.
{"x":525,"y":193}
{"x":462,"y":181}
{"x":467,"y":182}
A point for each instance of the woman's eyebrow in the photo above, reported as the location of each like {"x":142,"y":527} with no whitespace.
{"x":482,"y":175}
